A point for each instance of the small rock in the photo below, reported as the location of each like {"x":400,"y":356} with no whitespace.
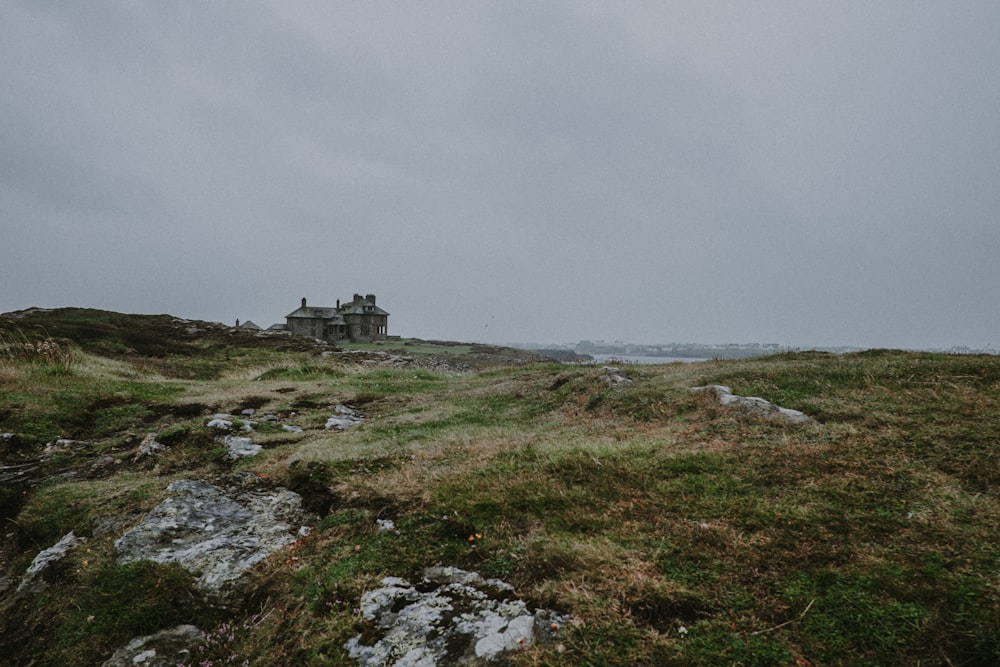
{"x":343,"y":418}
{"x":249,"y":412}
{"x":57,"y":447}
{"x":615,"y":379}
{"x":149,"y":447}
{"x":240,"y":447}
{"x":220,"y":424}
{"x":165,"y":648}
{"x":288,"y":428}
{"x":32,"y":583}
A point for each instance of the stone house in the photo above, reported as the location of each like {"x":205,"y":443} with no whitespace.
{"x":357,"y":321}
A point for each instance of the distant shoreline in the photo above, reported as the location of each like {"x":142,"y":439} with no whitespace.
{"x":643,"y":360}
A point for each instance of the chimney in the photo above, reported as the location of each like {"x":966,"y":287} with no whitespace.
{"x":371,"y":298}
{"x":303,"y":302}
{"x":357,"y":298}
{"x":338,"y":304}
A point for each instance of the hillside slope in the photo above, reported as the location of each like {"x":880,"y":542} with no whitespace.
{"x":665,"y":528}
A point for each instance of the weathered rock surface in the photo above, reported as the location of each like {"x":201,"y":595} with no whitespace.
{"x":452,"y":617}
{"x":222,"y":422}
{"x":754,"y":404}
{"x":615,"y":379}
{"x":343,"y":418}
{"x":149,"y":447}
{"x":166,"y":648}
{"x":215,"y":535}
{"x":59,"y":447}
{"x":33,"y":583}
{"x":240,"y":446}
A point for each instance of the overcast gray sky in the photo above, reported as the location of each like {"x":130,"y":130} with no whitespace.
{"x":807,"y":173}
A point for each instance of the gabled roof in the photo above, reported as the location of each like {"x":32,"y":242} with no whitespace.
{"x":249,"y":324}
{"x":361,"y":308}
{"x":313,"y":313}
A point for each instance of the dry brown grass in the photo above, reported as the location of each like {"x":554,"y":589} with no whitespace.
{"x":642,"y":511}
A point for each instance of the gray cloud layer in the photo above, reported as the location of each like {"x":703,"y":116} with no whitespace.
{"x":804,"y":173}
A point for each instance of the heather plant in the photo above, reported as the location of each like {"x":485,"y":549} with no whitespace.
{"x":221,"y":646}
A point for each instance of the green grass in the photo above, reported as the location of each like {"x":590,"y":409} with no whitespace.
{"x":673,"y":531}
{"x":115,"y":603}
{"x":41,"y":407}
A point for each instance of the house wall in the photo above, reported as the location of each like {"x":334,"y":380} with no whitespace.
{"x":306,"y":326}
{"x":366,"y":328}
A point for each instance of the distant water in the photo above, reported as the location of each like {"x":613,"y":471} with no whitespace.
{"x":631,"y":359}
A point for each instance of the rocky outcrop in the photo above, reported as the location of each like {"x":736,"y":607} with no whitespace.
{"x":240,"y":446}
{"x":149,"y":447}
{"x":754,"y":404}
{"x":33,"y":582}
{"x":216,"y":535}
{"x":166,"y":648}
{"x":343,"y":418}
{"x":615,"y":379}
{"x":225,"y":422}
{"x":451,"y":617}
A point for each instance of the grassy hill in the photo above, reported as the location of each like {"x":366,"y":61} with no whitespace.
{"x":673,"y":531}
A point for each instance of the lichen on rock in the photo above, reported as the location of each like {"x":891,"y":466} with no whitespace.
{"x":33,"y":581}
{"x":451,"y":617}
{"x":165,"y":648}
{"x":754,"y":404}
{"x":215,"y":535}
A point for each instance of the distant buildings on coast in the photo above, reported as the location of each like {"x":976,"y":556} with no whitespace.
{"x":601,"y":350}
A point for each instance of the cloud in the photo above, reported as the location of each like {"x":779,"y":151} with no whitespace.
{"x":780,"y":172}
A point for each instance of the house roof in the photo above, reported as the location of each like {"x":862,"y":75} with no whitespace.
{"x":249,"y":324}
{"x":313,"y":313}
{"x":328,"y":313}
{"x":360,"y":308}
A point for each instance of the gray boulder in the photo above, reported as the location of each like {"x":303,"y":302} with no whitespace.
{"x":615,"y":379}
{"x":216,"y":536}
{"x":754,"y":404}
{"x":33,"y":583}
{"x":149,"y":447}
{"x":343,"y":418}
{"x":240,"y":446}
{"x":452,"y":617}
